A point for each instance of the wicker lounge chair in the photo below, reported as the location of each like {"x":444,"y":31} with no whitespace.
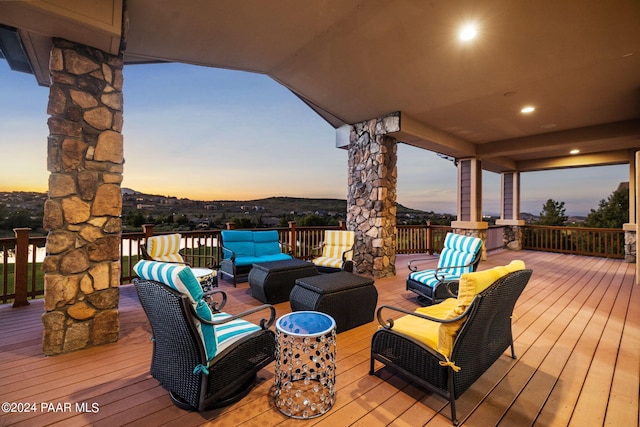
{"x":461,"y":254}
{"x":204,"y":358}
{"x":446,"y":347}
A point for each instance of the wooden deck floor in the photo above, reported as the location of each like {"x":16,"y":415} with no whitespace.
{"x":576,"y":330}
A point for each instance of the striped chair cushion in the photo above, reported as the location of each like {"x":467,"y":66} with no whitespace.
{"x":182,"y":279}
{"x":230,"y":332}
{"x":324,"y":261}
{"x":458,"y":250}
{"x":337,"y":242}
{"x":428,"y":277}
{"x":165,"y":248}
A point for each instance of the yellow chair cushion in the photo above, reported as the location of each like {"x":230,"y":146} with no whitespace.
{"x":336,"y":242}
{"x":424,"y":330}
{"x":328,"y":262}
{"x":441,"y":336}
{"x":471,"y":284}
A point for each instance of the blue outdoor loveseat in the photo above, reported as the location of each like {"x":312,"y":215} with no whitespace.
{"x":243,"y":248}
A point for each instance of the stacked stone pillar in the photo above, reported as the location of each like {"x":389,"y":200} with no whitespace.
{"x":371,"y":200}
{"x":82,"y":213}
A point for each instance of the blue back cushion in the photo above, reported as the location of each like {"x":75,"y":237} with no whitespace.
{"x":459,"y":250}
{"x":239,"y":241}
{"x":266,"y":242}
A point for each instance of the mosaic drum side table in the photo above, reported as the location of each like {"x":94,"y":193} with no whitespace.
{"x":305,"y":371}
{"x":207,"y":277}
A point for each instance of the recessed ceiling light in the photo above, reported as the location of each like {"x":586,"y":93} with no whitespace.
{"x":574,"y":151}
{"x":468,"y":32}
{"x":528,"y":109}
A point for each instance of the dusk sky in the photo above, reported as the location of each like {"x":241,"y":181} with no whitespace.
{"x":214,"y":134}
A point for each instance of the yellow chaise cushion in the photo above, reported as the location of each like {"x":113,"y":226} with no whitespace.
{"x":440,"y":336}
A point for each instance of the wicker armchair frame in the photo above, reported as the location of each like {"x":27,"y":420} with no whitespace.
{"x":482,"y":339}
{"x":178,"y":351}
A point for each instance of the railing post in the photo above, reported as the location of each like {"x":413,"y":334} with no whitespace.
{"x":148,"y":230}
{"x":293,"y":240}
{"x":429,"y":238}
{"x":343,"y":225}
{"x":21,"y":267}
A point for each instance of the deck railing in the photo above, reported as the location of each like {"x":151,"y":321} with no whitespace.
{"x":601,"y":242}
{"x":20,"y":270}
{"x":22,"y":277}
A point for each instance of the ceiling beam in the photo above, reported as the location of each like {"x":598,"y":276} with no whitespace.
{"x":557,"y":140}
{"x":96,"y":24}
{"x":416,"y":133}
{"x":601,"y":159}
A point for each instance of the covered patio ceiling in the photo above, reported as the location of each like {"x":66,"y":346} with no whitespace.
{"x":576,"y":61}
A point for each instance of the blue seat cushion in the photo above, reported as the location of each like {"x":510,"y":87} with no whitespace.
{"x":428,"y":277}
{"x":232,"y":331}
{"x":250,"y":260}
{"x":275,"y":257}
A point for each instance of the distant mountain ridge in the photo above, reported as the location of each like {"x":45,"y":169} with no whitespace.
{"x":282,"y":204}
{"x":274,"y":203}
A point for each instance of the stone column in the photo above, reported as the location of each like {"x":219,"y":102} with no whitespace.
{"x":371,"y":200}
{"x":82,"y":213}
{"x":510,"y":211}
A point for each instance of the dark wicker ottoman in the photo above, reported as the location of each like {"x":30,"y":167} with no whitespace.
{"x":350,"y":299}
{"x":271,"y":282}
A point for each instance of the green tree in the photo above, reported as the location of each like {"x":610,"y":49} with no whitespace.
{"x":553,"y":213}
{"x":182,"y":220}
{"x":136,"y":220}
{"x":313,"y":220}
{"x":611,"y":213}
{"x":243,"y":222}
{"x":18,"y":219}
